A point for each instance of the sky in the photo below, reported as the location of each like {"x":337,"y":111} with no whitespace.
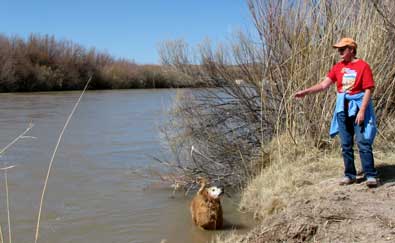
{"x":125,"y":29}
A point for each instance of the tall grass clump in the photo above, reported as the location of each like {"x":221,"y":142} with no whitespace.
{"x":5,"y":170}
{"x":257,"y":76}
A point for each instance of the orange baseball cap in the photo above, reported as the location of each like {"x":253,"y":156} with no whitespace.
{"x":345,"y":42}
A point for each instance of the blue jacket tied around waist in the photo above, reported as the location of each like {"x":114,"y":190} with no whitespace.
{"x":354,"y":103}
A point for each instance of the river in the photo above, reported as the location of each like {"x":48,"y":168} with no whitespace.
{"x":99,"y":189}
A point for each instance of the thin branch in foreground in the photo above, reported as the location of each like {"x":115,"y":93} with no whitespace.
{"x":53,"y":157}
{"x":8,"y":167}
{"x":5,"y":169}
{"x":1,"y":235}
{"x":8,"y":204}
{"x":22,"y":135}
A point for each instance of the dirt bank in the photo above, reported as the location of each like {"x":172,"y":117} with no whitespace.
{"x":327,"y":212}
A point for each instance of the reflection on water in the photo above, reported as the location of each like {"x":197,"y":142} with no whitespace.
{"x":94,"y":194}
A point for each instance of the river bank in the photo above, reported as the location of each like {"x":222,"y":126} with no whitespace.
{"x":297,"y":199}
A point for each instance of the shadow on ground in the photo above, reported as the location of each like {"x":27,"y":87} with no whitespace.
{"x":386,"y":173}
{"x":231,"y":226}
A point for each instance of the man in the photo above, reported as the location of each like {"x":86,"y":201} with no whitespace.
{"x":354,"y":114}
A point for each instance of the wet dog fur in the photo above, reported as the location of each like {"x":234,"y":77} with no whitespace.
{"x":206,"y":206}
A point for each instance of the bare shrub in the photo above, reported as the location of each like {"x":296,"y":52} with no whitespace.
{"x":216,"y":132}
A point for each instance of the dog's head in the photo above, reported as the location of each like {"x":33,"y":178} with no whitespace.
{"x":215,"y":192}
{"x":211,"y":192}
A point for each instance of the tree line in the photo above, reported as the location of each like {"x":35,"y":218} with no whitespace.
{"x":43,"y":63}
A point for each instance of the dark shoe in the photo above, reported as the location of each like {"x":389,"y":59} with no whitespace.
{"x":372,"y":182}
{"x":346,"y":181}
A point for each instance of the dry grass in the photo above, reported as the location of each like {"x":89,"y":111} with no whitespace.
{"x":231,"y":237}
{"x":291,"y":168}
{"x":5,"y":169}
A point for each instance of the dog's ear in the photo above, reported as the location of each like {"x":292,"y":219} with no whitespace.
{"x":201,"y":180}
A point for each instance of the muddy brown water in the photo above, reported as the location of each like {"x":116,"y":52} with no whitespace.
{"x":98,"y":190}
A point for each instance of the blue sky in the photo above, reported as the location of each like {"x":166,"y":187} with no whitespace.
{"x":128,"y":29}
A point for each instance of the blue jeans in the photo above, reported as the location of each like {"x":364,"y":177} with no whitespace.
{"x":347,"y":130}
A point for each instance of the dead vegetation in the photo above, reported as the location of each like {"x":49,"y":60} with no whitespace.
{"x":42,"y":63}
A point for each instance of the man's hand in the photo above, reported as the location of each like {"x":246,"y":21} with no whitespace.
{"x":315,"y":88}
{"x":300,"y":94}
{"x":360,"y":118}
{"x":365,"y":101}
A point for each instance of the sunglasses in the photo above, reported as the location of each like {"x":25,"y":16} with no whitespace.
{"x":342,"y":49}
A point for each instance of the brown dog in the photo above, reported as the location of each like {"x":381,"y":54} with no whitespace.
{"x":206,"y":207}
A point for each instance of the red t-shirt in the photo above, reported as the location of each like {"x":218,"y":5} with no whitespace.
{"x":352,"y":77}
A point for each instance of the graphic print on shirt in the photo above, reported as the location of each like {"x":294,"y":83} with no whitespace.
{"x":349,"y":78}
